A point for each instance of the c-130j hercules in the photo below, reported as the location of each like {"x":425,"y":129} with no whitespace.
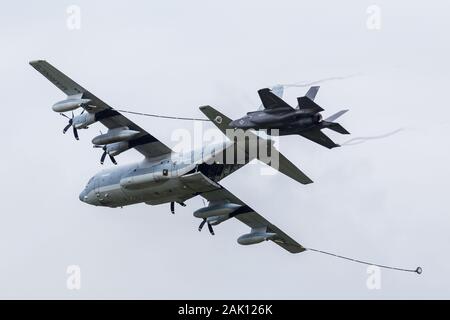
{"x":164,"y":176}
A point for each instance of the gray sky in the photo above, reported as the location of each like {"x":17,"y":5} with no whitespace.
{"x":383,"y":200}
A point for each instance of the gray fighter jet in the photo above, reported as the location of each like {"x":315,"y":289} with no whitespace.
{"x":305,"y":120}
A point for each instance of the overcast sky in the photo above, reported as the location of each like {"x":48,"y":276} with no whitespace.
{"x":384,"y":200}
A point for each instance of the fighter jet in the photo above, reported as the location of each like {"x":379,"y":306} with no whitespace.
{"x":304,"y":120}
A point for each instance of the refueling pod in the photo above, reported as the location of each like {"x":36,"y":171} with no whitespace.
{"x":69,"y":104}
{"x":255,"y":236}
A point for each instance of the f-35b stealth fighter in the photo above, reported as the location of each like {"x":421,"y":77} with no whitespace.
{"x":304,"y":120}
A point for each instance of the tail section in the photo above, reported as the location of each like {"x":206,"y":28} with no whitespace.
{"x":277,"y":160}
{"x":335,"y":116}
{"x":277,"y":90}
{"x":328,"y":123}
{"x":336,"y":127}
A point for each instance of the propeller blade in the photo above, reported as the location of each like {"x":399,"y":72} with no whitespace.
{"x":210,"y":228}
{"x":112,"y":159}
{"x":172,"y":207}
{"x":64,"y":115}
{"x":200,"y":227}
{"x":102,"y":159}
{"x":75,"y":133}
{"x":67,"y":128}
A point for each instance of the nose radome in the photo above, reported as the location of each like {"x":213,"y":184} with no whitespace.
{"x":82,"y":195}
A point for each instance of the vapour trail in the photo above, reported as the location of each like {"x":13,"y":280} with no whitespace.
{"x":359,"y":140}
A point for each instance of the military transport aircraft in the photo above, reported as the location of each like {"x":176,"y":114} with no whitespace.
{"x":164,"y":176}
{"x":305,"y":120}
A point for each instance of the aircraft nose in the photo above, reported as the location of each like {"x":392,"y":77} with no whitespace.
{"x":82,"y":196}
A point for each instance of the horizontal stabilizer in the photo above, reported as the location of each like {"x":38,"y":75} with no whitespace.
{"x":317,"y":136}
{"x":336,"y":127}
{"x":335,"y":116}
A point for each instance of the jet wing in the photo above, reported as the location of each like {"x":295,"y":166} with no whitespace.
{"x":319,"y":137}
{"x":271,"y":100}
{"x":254,"y":220}
{"x":145,"y":143}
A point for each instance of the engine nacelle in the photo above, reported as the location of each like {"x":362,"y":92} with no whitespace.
{"x":115,"y":135}
{"x":255,"y":237}
{"x":215,"y":220}
{"x":69,"y":104}
{"x":117,"y":148}
{"x":214,"y":210}
{"x":84,"y":120}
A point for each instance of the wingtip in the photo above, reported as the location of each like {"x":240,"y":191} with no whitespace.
{"x":33,"y":62}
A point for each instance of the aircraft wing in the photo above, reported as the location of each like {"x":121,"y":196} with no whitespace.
{"x":319,"y":137}
{"x":271,"y":100}
{"x":254,"y":220}
{"x":145,"y":143}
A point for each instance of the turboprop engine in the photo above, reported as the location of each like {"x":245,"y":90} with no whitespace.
{"x":114,"y":142}
{"x":115,"y":135}
{"x":83,"y":120}
{"x":214,"y":214}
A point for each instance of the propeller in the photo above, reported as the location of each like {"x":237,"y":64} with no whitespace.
{"x":75,"y":131}
{"x":105,"y":153}
{"x":172,"y":206}
{"x":210,"y":228}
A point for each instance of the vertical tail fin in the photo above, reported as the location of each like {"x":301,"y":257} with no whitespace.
{"x":312,"y":92}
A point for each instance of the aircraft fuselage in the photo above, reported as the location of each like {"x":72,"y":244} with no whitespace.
{"x":153,"y":181}
{"x":287,"y":121}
